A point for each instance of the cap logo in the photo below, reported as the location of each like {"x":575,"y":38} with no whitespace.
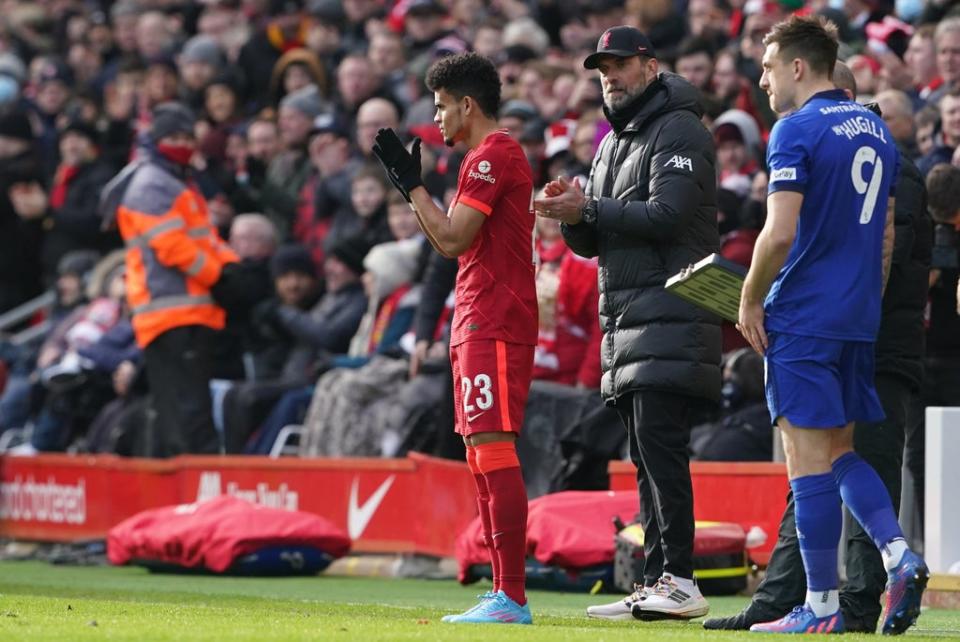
{"x":605,"y":40}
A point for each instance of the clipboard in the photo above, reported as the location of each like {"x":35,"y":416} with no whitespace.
{"x":713,"y":283}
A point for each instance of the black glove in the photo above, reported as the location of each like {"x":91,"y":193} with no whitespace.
{"x":402,"y":167}
{"x":265,"y":320}
{"x":228,"y":290}
{"x":256,"y":170}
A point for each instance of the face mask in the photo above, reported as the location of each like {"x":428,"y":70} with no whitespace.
{"x":9,"y":89}
{"x":176,"y":153}
{"x":836,"y":4}
{"x":909,"y":10}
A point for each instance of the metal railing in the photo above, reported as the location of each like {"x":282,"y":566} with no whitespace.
{"x":23,"y":312}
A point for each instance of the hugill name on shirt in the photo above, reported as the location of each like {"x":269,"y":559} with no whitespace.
{"x":859,"y":125}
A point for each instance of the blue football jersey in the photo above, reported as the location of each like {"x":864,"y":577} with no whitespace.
{"x":843,"y":159}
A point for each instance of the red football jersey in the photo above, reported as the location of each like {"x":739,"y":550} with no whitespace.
{"x":496,"y":295}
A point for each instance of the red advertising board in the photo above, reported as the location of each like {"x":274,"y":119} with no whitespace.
{"x":751,"y":494}
{"x":418,"y":504}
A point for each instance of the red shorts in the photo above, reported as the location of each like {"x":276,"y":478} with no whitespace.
{"x":491,"y":380}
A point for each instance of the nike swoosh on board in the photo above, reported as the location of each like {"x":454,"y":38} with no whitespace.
{"x":359,"y":516}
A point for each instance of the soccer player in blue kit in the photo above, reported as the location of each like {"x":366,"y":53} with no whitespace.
{"x":811,"y":306}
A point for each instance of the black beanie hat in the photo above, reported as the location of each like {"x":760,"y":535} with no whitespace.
{"x":77,"y":262}
{"x":171,"y":118}
{"x":292,"y":258}
{"x":85,"y":129}
{"x":351,"y":252}
{"x":15,"y":124}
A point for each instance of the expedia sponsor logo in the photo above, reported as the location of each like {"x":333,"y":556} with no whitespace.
{"x":211,"y":486}
{"x":33,"y":501}
{"x":482,"y":177}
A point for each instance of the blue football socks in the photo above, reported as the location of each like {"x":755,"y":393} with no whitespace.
{"x":867,"y":499}
{"x":819,"y":520}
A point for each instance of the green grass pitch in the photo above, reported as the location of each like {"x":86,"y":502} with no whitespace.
{"x":65,"y":604}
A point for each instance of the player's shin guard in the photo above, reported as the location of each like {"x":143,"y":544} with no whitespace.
{"x":867,"y":498}
{"x":500,"y":467}
{"x":483,"y":506}
{"x":819,"y":520}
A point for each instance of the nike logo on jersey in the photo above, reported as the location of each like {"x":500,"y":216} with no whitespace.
{"x":359,"y":516}
{"x":681,"y":162}
{"x":470,"y":418}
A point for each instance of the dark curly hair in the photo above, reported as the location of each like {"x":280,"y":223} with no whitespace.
{"x":468,"y":74}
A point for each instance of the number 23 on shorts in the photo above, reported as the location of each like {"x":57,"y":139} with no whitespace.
{"x":477,"y":395}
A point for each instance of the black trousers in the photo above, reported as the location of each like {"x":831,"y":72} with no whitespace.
{"x":785,"y":585}
{"x":658,"y":431}
{"x":179,"y":366}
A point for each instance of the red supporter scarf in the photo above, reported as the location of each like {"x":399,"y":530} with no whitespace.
{"x":61,"y":182}
{"x":275,"y":36}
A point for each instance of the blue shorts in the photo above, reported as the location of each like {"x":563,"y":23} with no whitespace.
{"x":820,"y":383}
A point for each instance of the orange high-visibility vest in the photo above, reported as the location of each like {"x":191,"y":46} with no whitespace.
{"x":174,"y":254}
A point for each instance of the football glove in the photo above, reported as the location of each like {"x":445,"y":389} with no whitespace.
{"x":402,"y":167}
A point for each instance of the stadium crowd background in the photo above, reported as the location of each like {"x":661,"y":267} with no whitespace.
{"x":339,"y":288}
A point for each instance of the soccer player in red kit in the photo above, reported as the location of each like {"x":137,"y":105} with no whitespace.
{"x":489,"y":227}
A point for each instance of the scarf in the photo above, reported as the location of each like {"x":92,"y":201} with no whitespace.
{"x":61,"y":182}
{"x":278,"y":42}
{"x":621,"y":117}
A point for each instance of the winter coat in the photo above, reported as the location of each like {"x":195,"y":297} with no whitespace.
{"x":438,"y":282}
{"x":76,"y":224}
{"x":174,"y":254}
{"x":113,"y":348}
{"x":655,"y":183}
{"x":19,"y":238}
{"x":324,"y":330}
{"x":901,"y":336}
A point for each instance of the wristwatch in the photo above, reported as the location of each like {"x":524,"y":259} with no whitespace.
{"x":588,"y":213}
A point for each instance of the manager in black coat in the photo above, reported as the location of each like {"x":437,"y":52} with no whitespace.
{"x":648,"y":211}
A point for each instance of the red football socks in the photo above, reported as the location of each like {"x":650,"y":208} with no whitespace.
{"x":497,"y":462}
{"x":483,"y":504}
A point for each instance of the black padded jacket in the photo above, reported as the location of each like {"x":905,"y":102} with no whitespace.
{"x":655,"y":181}
{"x":900,"y":342}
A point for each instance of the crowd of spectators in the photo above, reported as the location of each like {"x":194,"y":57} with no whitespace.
{"x":288,"y":96}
